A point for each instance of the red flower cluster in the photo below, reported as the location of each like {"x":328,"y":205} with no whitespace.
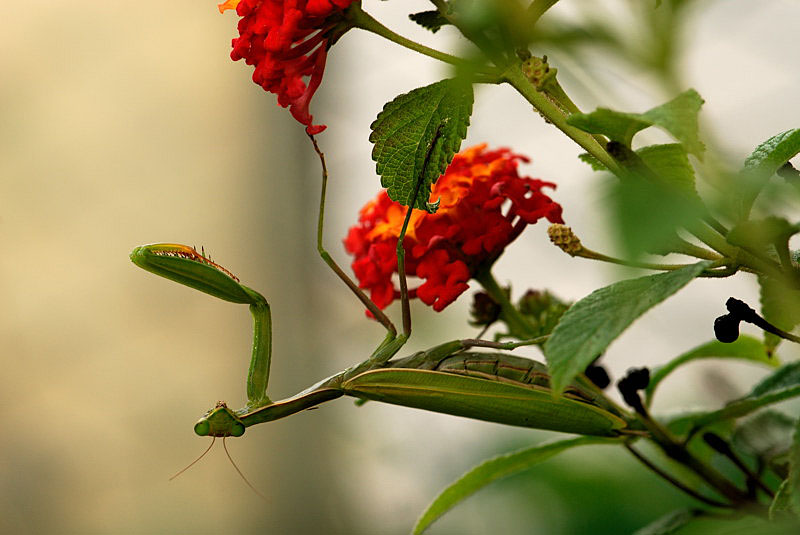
{"x":286,"y":40}
{"x":483,"y":206}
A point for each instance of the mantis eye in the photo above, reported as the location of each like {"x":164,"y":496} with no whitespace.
{"x":237,"y":429}
{"x":203,"y":428}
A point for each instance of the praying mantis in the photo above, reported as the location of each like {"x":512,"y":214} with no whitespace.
{"x":495,"y":387}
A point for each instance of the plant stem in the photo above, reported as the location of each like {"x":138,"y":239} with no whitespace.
{"x":551,"y":113}
{"x":365,"y":21}
{"x":667,"y":477}
{"x":516,"y":322}
{"x":593,"y":255}
{"x":679,"y":453}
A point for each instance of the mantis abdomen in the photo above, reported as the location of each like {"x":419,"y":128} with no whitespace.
{"x":491,"y":387}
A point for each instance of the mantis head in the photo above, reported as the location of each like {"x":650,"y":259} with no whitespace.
{"x":219,"y":422}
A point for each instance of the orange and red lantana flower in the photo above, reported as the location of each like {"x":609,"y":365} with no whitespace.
{"x":483,"y":206}
{"x":287,"y":41}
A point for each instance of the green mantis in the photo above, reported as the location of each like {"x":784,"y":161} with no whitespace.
{"x":449,"y":378}
{"x":183,"y":264}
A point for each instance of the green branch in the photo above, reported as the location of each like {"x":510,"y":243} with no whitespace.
{"x":363,"y":20}
{"x":553,"y":114}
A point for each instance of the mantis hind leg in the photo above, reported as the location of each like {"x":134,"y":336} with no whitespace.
{"x":392,"y":343}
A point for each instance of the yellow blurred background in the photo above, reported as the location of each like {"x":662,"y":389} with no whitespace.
{"x":126,"y":123}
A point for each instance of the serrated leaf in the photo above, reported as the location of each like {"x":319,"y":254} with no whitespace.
{"x":764,"y":162}
{"x":768,"y":157}
{"x":592,"y":323}
{"x":430,"y":20}
{"x":416,"y":136}
{"x":780,"y":306}
{"x":593,"y":162}
{"x":745,"y":347}
{"x":494,"y":469}
{"x":670,"y":523}
{"x":678,"y":117}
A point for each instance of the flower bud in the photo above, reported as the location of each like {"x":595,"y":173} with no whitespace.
{"x":563,"y":237}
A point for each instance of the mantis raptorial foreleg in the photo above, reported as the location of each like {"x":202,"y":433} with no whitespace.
{"x":185,"y":265}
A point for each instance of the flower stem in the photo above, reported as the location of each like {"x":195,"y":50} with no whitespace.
{"x":551,"y":113}
{"x":517,"y":324}
{"x":365,"y":21}
{"x":710,"y":272}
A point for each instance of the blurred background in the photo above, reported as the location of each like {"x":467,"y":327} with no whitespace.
{"x":126,"y":123}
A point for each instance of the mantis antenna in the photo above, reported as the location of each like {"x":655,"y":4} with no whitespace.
{"x":235,"y":467}
{"x":225,"y":447}
{"x":182,"y":470}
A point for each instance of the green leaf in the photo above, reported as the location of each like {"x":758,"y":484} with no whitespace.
{"x":770,"y":156}
{"x":592,"y":323}
{"x":648,"y":215}
{"x":670,"y":523}
{"x":656,"y":201}
{"x":430,"y":20}
{"x":678,"y":117}
{"x":764,"y":162}
{"x":739,"y":525}
{"x":781,"y":385}
{"x":787,"y":376}
{"x":780,"y":306}
{"x":617,"y":126}
{"x":593,"y":162}
{"x":494,"y":469}
{"x":745,"y":347}
{"x":671,"y":163}
{"x":416,"y":136}
{"x":781,"y":505}
{"x":765,"y":434}
{"x":787,"y":500}
{"x":760,"y":234}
